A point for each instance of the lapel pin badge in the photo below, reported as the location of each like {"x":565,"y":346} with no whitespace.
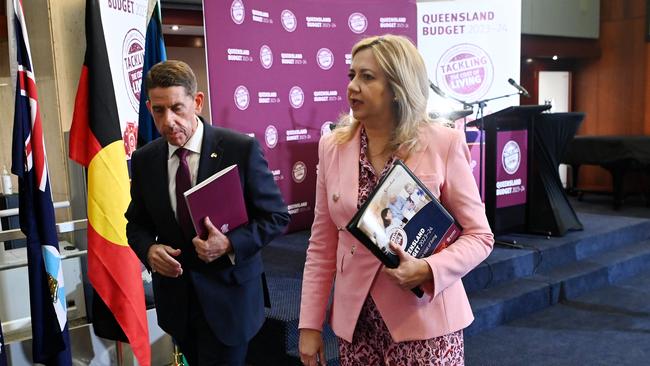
{"x":213,"y":155}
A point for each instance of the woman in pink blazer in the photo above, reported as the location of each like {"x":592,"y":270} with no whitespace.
{"x":378,"y":320}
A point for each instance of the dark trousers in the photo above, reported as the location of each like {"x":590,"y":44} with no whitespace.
{"x":202,"y":348}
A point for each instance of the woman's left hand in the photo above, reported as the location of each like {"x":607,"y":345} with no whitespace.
{"x":411,"y":271}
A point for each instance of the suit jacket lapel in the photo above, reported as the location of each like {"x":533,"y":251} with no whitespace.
{"x":160,"y":174}
{"x":348,"y":169}
{"x":211,"y":153}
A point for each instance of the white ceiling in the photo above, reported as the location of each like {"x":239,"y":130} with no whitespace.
{"x":184,"y":30}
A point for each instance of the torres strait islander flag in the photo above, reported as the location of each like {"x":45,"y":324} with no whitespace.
{"x":50,"y":340}
{"x":96,"y":142}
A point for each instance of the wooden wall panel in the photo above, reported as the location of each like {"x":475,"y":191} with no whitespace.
{"x":3,"y":27}
{"x":3,"y":20}
{"x":646,"y":119}
{"x":612,"y":89}
{"x":585,"y":97}
{"x":621,"y":72}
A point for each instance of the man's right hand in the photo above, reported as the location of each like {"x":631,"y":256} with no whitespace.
{"x":312,"y":350}
{"x":161,"y":260}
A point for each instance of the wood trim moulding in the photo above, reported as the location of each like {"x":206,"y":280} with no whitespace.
{"x":564,"y":47}
{"x":177,"y":40}
{"x":182,"y":17}
{"x":647,"y":21}
{"x":3,"y":27}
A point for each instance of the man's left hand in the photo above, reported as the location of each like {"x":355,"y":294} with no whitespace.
{"x":411,"y":271}
{"x":214,"y":246}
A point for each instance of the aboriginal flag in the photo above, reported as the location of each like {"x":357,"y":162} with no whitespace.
{"x":96,"y":143}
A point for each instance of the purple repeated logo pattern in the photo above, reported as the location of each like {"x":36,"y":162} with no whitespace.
{"x":289,"y":21}
{"x":358,"y":23}
{"x":325,"y":58}
{"x":297,"y":90}
{"x":271,"y":136}
{"x":237,"y":11}
{"x":242,"y":98}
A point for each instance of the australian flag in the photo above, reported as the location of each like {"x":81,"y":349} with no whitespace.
{"x":29,"y":162}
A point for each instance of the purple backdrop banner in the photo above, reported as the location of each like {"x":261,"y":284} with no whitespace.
{"x":278,"y":71}
{"x":512,"y":167}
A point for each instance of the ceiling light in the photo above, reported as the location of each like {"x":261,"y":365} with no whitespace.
{"x":529,"y":60}
{"x":175,"y":27}
{"x":554,"y":57}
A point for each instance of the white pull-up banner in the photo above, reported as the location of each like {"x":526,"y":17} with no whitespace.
{"x":471,"y":49}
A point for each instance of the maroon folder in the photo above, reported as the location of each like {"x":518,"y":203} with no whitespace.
{"x":219,"y":197}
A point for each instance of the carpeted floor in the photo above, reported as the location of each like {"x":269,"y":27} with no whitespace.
{"x":608,"y":326}
{"x":634,"y":206}
{"x":600,"y":277}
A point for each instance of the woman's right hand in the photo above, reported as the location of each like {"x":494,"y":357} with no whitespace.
{"x":312,"y":350}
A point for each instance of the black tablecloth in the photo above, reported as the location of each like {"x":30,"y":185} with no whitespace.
{"x":617,"y":154}
{"x":605,"y":150}
{"x":550,"y":210}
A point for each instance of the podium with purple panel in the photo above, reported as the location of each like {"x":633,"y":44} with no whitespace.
{"x":507,"y":150}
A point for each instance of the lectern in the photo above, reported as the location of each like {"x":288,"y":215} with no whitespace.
{"x":508,"y":148}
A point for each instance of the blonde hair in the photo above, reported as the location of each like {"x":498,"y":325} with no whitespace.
{"x":407,"y":77}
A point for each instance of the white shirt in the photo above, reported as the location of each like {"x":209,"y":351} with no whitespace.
{"x":194,"y":146}
{"x":173,"y":161}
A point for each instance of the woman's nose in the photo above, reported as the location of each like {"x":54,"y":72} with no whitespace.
{"x":353,"y":86}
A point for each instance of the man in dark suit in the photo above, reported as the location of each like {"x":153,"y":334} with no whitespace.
{"x":210,"y":293}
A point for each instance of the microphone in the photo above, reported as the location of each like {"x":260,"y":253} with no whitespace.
{"x":436,"y":89}
{"x":521,"y":89}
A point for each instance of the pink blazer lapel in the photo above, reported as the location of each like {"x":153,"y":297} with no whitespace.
{"x":348,"y":172}
{"x":420,"y":150}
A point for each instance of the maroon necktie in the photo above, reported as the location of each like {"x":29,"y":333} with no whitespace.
{"x":183,"y":183}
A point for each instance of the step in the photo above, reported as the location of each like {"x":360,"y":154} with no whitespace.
{"x":524,"y":296}
{"x":280,"y":330}
{"x":277,"y":341}
{"x":285,"y":256}
{"x":602,"y":234}
{"x":608,"y":326}
{"x":510,"y":284}
{"x":581,"y":277}
{"x":506,"y":302}
{"x":521,"y":297}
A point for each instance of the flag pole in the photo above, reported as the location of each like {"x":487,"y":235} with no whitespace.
{"x":120,"y":356}
{"x":178,"y":357}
